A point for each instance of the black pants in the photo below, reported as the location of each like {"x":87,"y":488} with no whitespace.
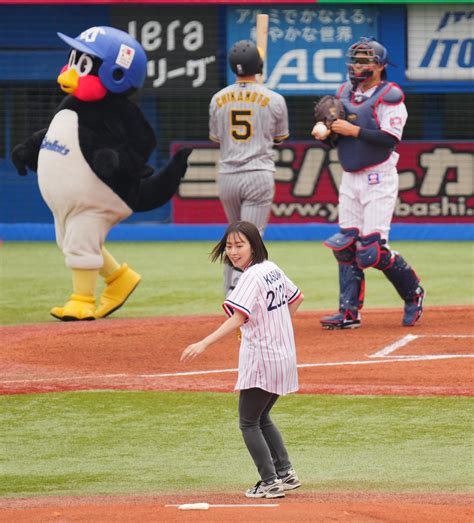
{"x":261,"y":436}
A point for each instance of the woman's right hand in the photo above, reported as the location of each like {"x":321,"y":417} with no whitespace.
{"x":193,"y":350}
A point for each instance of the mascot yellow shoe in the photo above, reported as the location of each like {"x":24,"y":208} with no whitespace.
{"x":78,"y":308}
{"x":119,"y":285}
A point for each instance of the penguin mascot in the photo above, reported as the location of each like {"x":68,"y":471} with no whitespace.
{"x":92,"y":165}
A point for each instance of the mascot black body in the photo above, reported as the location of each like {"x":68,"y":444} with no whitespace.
{"x":92,"y":165}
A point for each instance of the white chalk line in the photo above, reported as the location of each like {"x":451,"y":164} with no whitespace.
{"x":412,"y":337}
{"x":256,"y":505}
{"x":393,"y":359}
{"x":384,"y":356}
{"x":394,"y":346}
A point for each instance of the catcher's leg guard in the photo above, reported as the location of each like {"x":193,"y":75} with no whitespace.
{"x":369,"y":251}
{"x":372,"y":251}
{"x":78,"y":308}
{"x":351,"y":282}
{"x":407,"y":284}
{"x":119,"y":285}
{"x":351,"y":298}
{"x":413,"y":309}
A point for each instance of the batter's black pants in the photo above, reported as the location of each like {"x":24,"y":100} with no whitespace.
{"x":261,"y":436}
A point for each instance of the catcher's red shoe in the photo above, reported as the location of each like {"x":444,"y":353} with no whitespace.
{"x":413,"y":310}
{"x":341,"y":320}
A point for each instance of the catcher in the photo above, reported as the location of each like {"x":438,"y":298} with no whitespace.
{"x":365,"y":122}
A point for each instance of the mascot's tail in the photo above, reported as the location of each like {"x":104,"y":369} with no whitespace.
{"x":158,"y":189}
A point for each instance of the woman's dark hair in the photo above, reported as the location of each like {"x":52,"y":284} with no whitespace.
{"x":247,"y":229}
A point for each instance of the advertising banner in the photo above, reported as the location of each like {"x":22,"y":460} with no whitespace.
{"x":29,"y":46}
{"x":306,"y":44}
{"x":181,"y":44}
{"x":440,"y":42}
{"x":435,"y":184}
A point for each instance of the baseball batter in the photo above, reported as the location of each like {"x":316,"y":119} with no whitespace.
{"x":367,"y":137}
{"x":246,"y":119}
{"x":262,"y":305}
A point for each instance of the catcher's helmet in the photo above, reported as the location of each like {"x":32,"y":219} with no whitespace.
{"x":124,"y":61}
{"x":371,"y":48}
{"x":244,"y":58}
{"x":373,"y":51}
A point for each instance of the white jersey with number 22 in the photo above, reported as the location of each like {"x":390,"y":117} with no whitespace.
{"x":267,"y":358}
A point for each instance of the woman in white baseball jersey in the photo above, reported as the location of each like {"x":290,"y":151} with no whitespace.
{"x":367,"y":138}
{"x":246,"y":119}
{"x":262,"y":305}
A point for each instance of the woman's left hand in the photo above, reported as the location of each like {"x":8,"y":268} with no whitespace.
{"x":193,"y":350}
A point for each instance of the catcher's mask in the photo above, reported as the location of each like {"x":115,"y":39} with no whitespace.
{"x":244,"y":58}
{"x":368,"y":52}
{"x":124,"y":61}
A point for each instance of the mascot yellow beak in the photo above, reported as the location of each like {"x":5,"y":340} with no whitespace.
{"x":68,"y":81}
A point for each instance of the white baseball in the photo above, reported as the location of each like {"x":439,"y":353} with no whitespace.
{"x":320,"y":131}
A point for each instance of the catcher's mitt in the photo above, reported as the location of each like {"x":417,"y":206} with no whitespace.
{"x":328,"y":109}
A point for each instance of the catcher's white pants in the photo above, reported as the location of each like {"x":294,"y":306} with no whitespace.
{"x":367,"y":199}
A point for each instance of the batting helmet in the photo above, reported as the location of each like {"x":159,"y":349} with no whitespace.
{"x":373,"y":51}
{"x":124,"y":61}
{"x":244,"y":59}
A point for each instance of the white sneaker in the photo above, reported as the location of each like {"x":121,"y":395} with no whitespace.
{"x":267,"y":490}
{"x":290,"y":480}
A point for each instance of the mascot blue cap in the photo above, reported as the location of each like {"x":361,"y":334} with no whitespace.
{"x":124,"y":60}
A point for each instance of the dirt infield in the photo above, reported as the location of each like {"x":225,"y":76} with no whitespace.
{"x":297,"y":507}
{"x":434,"y":358}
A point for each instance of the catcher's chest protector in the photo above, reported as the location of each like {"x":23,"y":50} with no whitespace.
{"x":354,"y":154}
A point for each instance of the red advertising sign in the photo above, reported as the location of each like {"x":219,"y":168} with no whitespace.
{"x":436,"y":184}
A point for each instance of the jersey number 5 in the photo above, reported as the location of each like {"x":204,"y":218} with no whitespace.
{"x":241,"y":124}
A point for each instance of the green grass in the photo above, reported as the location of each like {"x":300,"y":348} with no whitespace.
{"x":178,"y":279}
{"x":151,"y":442}
{"x":143,"y":442}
